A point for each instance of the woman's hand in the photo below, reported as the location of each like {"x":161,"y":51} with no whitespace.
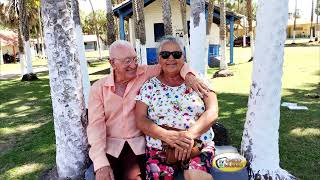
{"x":178,"y":139}
{"x":184,"y":154}
{"x":197,"y":85}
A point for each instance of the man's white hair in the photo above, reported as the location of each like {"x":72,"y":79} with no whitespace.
{"x":117,"y":44}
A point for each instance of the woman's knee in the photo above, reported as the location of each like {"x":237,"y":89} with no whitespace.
{"x":193,"y":174}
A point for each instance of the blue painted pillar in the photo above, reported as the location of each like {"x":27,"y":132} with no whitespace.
{"x":231,"y":39}
{"x":122,"y":33}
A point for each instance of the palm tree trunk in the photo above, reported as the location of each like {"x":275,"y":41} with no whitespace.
{"x":41,"y":34}
{"x":166,"y":15}
{"x":24,"y":28}
{"x":66,"y":88}
{"x":294,"y":23}
{"x":260,"y":140}
{"x":81,"y":51}
{"x":140,"y":32}
{"x":183,"y":10}
{"x":111,"y":33}
{"x":1,"y":55}
{"x":223,"y":61}
{"x":96,"y":30}
{"x":209,"y":23}
{"x":23,"y":66}
{"x":311,"y":24}
{"x":198,"y":36}
{"x":249,"y":14}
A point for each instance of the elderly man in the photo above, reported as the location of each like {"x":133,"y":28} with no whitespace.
{"x":117,"y":146}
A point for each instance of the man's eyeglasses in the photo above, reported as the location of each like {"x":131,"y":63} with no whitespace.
{"x":166,"y":54}
{"x":128,"y":60}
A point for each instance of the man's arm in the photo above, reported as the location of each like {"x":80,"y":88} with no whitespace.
{"x":96,"y":130}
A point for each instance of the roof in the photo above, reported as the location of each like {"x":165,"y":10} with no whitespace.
{"x":125,"y":8}
{"x":8,"y":38}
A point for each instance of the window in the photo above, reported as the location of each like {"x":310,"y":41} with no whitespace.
{"x":158,"y":31}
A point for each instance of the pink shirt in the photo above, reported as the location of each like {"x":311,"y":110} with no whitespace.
{"x":112,"y":119}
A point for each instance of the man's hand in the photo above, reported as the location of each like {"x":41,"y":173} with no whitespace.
{"x":197,"y":85}
{"x":104,"y":173}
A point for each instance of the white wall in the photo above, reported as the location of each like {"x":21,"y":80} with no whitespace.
{"x":153,"y":14}
{"x":9,"y":49}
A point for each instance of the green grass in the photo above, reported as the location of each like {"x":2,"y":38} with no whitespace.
{"x":27,"y":139}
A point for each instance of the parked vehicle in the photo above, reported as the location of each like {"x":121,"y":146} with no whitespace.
{"x":239,"y":41}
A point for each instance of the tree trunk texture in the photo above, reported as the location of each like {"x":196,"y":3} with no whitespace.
{"x":260,"y":140}
{"x":111,"y":33}
{"x":140,"y":32}
{"x":198,"y":38}
{"x":183,"y":10}
{"x":68,"y":104}
{"x":96,"y":30}
{"x":81,"y":51}
{"x":24,"y":28}
{"x":249,"y":14}
{"x":223,"y":61}
{"x":166,"y":15}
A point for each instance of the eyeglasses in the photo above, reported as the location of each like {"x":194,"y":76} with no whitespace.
{"x":166,"y":54}
{"x":128,"y":60}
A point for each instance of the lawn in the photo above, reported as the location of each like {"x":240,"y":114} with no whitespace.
{"x":27,"y":143}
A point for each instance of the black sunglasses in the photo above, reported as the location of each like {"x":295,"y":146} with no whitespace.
{"x":166,"y":54}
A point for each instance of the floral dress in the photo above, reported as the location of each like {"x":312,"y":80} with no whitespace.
{"x":174,"y":107}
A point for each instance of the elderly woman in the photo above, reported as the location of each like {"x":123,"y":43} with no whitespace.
{"x":172,"y":115}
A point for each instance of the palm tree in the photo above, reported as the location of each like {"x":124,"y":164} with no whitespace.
{"x":317,"y":11}
{"x":81,"y":51}
{"x":96,"y":30}
{"x":166,"y":16}
{"x":111,"y":33}
{"x":24,"y":29}
{"x":198,"y":36}
{"x":66,"y":88}
{"x":183,"y":10}
{"x":294,"y":22}
{"x":311,"y":24}
{"x":261,"y":136}
{"x":223,"y":72}
{"x":208,"y":30}
{"x":140,"y":30}
{"x":249,"y":14}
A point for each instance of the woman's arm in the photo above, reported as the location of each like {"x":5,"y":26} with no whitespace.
{"x":173,"y":138}
{"x":207,"y":118}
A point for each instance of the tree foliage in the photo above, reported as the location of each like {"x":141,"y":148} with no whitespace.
{"x":87,"y":22}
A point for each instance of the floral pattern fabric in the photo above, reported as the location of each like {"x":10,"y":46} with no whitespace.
{"x":172,"y":106}
{"x":158,"y":169}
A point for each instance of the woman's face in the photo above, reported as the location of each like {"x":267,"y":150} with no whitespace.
{"x":171,"y":58}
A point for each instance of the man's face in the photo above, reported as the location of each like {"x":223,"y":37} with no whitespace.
{"x":124,"y":63}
